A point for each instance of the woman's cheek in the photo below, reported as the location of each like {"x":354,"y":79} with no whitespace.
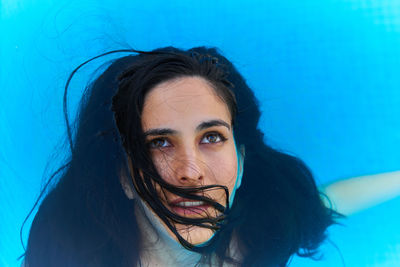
{"x":162,"y":162}
{"x":225,"y":170}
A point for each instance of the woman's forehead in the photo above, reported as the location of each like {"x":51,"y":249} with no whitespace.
{"x":183,"y":88}
{"x":187,"y":100}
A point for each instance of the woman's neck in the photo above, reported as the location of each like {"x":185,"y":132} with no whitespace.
{"x":158,"y":247}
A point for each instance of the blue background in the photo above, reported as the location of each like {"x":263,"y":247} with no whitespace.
{"x":326,"y":74}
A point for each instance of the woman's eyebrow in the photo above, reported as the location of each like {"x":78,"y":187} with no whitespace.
{"x":211,"y":123}
{"x":160,"y":131}
{"x":200,"y":127}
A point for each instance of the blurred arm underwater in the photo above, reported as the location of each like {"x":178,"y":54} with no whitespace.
{"x":355,"y":194}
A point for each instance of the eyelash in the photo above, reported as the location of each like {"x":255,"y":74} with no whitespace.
{"x":220,"y":136}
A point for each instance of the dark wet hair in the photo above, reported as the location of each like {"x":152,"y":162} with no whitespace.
{"x":86,"y":219}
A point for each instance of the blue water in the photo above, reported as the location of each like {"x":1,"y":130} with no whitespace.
{"x":326,"y":73}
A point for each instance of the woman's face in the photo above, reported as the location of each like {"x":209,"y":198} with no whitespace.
{"x":189,"y":133}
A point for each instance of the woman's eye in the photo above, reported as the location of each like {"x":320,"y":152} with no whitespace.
{"x":159,"y":143}
{"x":212,"y":138}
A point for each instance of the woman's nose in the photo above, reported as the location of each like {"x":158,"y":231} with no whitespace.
{"x":189,"y":168}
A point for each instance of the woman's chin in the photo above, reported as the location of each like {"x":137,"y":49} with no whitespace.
{"x":195,"y":235}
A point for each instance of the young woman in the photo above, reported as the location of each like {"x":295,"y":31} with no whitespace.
{"x":168,"y":168}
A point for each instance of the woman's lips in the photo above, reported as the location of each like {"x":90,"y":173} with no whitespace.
{"x":186,"y":207}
